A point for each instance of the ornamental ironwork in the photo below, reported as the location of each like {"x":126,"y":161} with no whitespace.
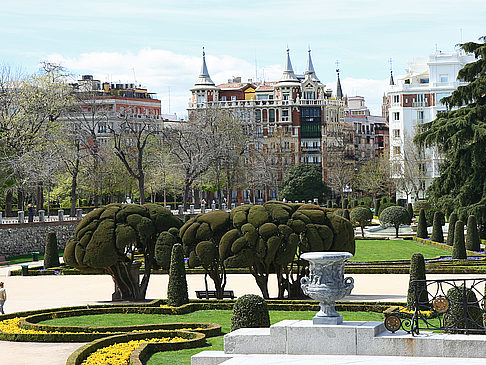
{"x":444,"y":305}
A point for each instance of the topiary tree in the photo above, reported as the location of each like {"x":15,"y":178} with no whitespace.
{"x":410,"y":212}
{"x":459,"y":248}
{"x":201,"y":240}
{"x":417,"y":272}
{"x":163,"y":247}
{"x":329,"y":204}
{"x":452,"y":226}
{"x":177,"y":288}
{"x":383,"y":206}
{"x":250,"y":311}
{"x":345,"y":203}
{"x":111,"y":240}
{"x":422,"y":225}
{"x":437,"y":234}
{"x":51,"y":254}
{"x":421,"y":204}
{"x":346,"y":214}
{"x":354,"y":203}
{"x":473,"y":242}
{"x":362,"y":216}
{"x":395,"y":216}
{"x":464,"y":310}
{"x":377,"y":206}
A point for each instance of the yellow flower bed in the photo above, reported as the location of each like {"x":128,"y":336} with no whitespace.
{"x":425,"y":314}
{"x":12,"y":326}
{"x":119,"y":353}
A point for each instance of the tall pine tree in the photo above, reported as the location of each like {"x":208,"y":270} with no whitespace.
{"x":461,"y":136}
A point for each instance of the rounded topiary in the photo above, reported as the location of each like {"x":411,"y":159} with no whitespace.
{"x":410,"y":211}
{"x":452,"y":225}
{"x":51,"y":255}
{"x":473,"y":241}
{"x":437,"y":234}
{"x":421,"y":204}
{"x":177,"y":288}
{"x":464,"y":310}
{"x":383,"y":206}
{"x":422,"y":225}
{"x":163,"y":247}
{"x":459,"y":248}
{"x":344,"y":203}
{"x":362,"y":216}
{"x":395,"y":216}
{"x":250,"y":311}
{"x":417,"y":272}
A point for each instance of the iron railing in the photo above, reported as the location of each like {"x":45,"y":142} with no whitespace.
{"x":444,"y":305}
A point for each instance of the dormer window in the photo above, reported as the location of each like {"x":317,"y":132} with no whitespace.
{"x":309,"y":95}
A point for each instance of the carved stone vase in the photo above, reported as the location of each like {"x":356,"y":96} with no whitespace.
{"x":326,"y":283}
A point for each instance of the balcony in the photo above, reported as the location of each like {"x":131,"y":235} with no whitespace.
{"x":420,"y":104}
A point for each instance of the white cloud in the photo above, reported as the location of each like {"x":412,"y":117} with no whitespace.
{"x":159,"y":70}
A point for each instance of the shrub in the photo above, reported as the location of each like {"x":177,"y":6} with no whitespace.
{"x":177,"y":288}
{"x":410,"y":212}
{"x":458,"y":316}
{"x":354,"y":203}
{"x":395,"y":216}
{"x":329,"y":204}
{"x":51,"y":255}
{"x":362,"y":216}
{"x":346,"y":214}
{"x":366,"y":201}
{"x":459,"y":248}
{"x":383,"y":206}
{"x":250,"y":311}
{"x":437,"y":234}
{"x":422,"y":225}
{"x":417,"y":272}
{"x":452,"y":225}
{"x":472,"y":237}
{"x":163,"y":247}
{"x":344,"y":203}
{"x":421,"y":204}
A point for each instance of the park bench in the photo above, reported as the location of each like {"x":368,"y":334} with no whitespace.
{"x":3,"y":261}
{"x":211,"y":294}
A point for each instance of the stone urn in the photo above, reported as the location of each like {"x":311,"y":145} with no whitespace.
{"x":326,"y":283}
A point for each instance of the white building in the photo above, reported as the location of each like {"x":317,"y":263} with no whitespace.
{"x":415,"y":99}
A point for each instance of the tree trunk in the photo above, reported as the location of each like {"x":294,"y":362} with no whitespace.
{"x":20,"y":199}
{"x":8,"y":203}
{"x":141,"y":188}
{"x":74,"y":186}
{"x":40,"y":196}
{"x":126,"y":278}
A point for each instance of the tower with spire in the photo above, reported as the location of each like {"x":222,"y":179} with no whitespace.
{"x":339,"y":90}
{"x":204,"y":89}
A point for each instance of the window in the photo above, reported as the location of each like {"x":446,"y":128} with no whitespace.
{"x":396,"y":115}
{"x":440,"y":96}
{"x":396,"y":150}
{"x":420,"y":116}
{"x":285,"y":96}
{"x":443,"y":78}
{"x":420,"y":98}
{"x":396,"y":99}
{"x":223,"y":98}
{"x":201,"y":99}
{"x":285,"y":113}
{"x":309,"y":95}
{"x":396,"y":133}
{"x":233,"y":97}
{"x":271,"y":115}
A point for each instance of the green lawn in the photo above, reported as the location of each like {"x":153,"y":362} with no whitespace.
{"x":222,"y":317}
{"x":388,"y":250}
{"x":26,"y":258}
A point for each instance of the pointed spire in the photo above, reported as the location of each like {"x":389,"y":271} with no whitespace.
{"x":339,"y":91}
{"x":392,"y":82}
{"x":310,"y":68}
{"x":288,"y":74}
{"x":204,"y":78}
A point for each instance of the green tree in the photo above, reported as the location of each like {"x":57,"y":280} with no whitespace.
{"x":177,"y":288}
{"x":460,"y":135}
{"x":452,"y":225}
{"x":417,"y":272}
{"x":395,"y":216}
{"x":422,"y":225}
{"x":437,"y":234}
{"x":303,"y":182}
{"x":410,"y":211}
{"x":472,"y":237}
{"x":459,"y":248}
{"x":362,"y":216}
{"x":51,"y":254}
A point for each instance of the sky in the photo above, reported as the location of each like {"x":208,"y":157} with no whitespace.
{"x":158,"y":43}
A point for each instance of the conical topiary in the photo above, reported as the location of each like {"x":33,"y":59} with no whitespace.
{"x":422,"y":225}
{"x":346,"y":214}
{"x":250,"y":311}
{"x":473,"y":242}
{"x":177,"y":288}
{"x":437,"y":234}
{"x":452,"y":227}
{"x":410,"y":211}
{"x":51,"y":255}
{"x":417,"y":272}
{"x":345,"y":203}
{"x":459,"y":248}
{"x":329,"y":204}
{"x":377,"y":206}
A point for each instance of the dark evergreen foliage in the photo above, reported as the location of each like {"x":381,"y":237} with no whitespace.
{"x":417,"y":272}
{"x":362,"y":216}
{"x":472,"y":236}
{"x":452,"y":227}
{"x":177,"y":289}
{"x":437,"y":234}
{"x":303,"y":182}
{"x":51,"y":255}
{"x":383,"y":206}
{"x":395,"y":216}
{"x":464,"y":311}
{"x":410,"y":211}
{"x":344,"y":203}
{"x":346,"y":214}
{"x":459,"y":248}
{"x":377,"y":206}
{"x":250,"y":311}
{"x":422,"y":225}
